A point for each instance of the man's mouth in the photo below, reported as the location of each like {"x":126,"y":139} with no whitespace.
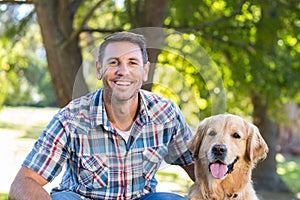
{"x":122,"y":83}
{"x":219,"y":169}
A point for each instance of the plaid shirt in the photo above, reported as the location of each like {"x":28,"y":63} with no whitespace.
{"x":100,"y":164}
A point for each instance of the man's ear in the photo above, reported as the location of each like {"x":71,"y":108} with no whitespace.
{"x":257,"y":148}
{"x":99,"y":70}
{"x":146,"y":71}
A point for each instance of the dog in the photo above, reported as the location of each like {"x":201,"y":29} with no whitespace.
{"x":225,"y":148}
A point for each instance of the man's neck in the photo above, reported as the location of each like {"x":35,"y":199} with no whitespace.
{"x":122,"y":114}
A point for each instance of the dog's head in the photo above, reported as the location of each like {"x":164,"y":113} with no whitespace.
{"x":224,"y":140}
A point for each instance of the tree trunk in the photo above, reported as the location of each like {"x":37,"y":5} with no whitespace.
{"x":153,"y":16}
{"x":265,"y":175}
{"x":56,"y":20}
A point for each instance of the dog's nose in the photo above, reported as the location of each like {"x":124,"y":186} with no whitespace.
{"x":219,"y":149}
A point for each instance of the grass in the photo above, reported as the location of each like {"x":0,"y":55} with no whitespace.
{"x":31,"y":122}
{"x":27,"y":131}
{"x":288,"y":167}
{"x":3,"y":196}
{"x":174,"y":178}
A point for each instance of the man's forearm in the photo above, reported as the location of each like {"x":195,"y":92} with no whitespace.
{"x":27,"y":188}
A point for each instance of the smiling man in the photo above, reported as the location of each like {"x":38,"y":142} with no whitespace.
{"x":111,"y":141}
{"x":123,"y":70}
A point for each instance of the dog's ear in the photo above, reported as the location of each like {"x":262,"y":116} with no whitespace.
{"x":195,"y":142}
{"x":256,"y":148}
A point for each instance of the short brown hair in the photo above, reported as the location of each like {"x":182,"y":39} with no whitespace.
{"x":124,"y":37}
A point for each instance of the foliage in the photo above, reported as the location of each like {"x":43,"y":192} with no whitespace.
{"x":23,"y":69}
{"x":229,"y":31}
{"x":289,"y":169}
{"x":4,"y":80}
{"x":3,"y":196}
{"x":189,"y":77}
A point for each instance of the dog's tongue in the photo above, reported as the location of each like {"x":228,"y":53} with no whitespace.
{"x":218,"y":170}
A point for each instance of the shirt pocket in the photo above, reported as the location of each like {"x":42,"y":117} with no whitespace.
{"x":93,"y":171}
{"x":152,"y":158}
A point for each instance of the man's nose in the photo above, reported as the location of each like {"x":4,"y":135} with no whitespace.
{"x":123,"y":68}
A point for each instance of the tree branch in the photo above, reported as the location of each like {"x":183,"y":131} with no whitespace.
{"x":237,"y":11}
{"x":21,"y":27}
{"x":129,"y":11}
{"x":82,"y":24}
{"x":74,"y":6}
{"x":246,"y":46}
{"x":99,"y":30}
{"x":16,"y":2}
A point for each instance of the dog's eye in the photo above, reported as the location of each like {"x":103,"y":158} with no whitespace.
{"x":212,"y":133}
{"x":236,"y":135}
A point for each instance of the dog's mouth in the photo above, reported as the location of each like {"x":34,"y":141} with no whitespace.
{"x":219,"y":170}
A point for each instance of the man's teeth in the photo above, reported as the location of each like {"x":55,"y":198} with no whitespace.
{"x":123,"y":83}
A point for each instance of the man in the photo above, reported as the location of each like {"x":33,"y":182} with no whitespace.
{"x":112,"y":141}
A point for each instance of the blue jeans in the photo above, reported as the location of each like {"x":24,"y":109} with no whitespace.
{"x":65,"y":195}
{"x":68,"y":195}
{"x":162,"y":196}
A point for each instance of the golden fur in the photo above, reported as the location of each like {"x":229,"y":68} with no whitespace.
{"x":243,"y":145}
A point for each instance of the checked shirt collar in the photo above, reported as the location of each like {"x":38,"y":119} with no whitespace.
{"x":99,"y":115}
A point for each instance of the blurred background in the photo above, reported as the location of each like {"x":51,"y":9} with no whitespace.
{"x":208,"y":56}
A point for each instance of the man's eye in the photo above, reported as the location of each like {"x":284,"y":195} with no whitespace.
{"x":133,"y":63}
{"x":113,"y":63}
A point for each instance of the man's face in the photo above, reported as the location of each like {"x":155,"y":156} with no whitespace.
{"x":122,"y":70}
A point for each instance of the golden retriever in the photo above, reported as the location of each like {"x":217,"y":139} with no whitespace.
{"x":225,"y":149}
